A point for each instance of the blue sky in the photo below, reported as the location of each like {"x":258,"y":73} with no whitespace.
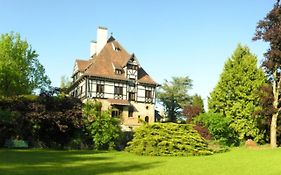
{"x":169,"y":37}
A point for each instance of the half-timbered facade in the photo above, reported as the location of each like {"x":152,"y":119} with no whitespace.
{"x":115,"y":78}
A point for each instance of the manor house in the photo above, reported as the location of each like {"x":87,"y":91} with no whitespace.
{"x":115,"y":78}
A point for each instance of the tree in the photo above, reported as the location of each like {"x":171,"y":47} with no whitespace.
{"x":20,"y":70}
{"x":198,"y":101}
{"x":64,"y":85}
{"x":266,"y":109}
{"x":48,"y":121}
{"x":218,"y":126}
{"x":269,"y":31}
{"x":174,"y":95}
{"x":235,"y":96}
{"x":104,"y":129}
{"x":191,"y":111}
{"x":194,"y":109}
{"x":65,"y":82}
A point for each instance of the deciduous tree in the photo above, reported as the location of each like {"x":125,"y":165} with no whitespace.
{"x":20,"y":70}
{"x":174,"y":95}
{"x":194,"y":109}
{"x":269,"y":30}
{"x":198,"y":101}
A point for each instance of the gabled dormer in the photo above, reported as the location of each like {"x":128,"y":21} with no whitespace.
{"x":79,"y":68}
{"x":132,"y":68}
{"x":117,"y":69}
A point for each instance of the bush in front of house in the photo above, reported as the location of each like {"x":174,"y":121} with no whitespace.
{"x":103,"y":129}
{"x":168,"y":139}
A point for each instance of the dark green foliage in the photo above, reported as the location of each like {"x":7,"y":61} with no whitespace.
{"x":43,"y":121}
{"x":168,"y":139}
{"x":124,"y":139}
{"x":218,"y":126}
{"x":101,"y":127}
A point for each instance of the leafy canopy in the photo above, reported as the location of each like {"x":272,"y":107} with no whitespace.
{"x":269,"y":30}
{"x":235,"y":96}
{"x":174,"y":95}
{"x":218,"y":126}
{"x":20,"y":70}
{"x":194,"y":109}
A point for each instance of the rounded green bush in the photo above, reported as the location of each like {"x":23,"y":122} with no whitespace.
{"x":168,"y":139}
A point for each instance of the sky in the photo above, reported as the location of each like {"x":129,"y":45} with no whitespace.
{"x":170,"y":38}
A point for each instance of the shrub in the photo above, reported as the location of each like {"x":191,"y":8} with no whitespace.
{"x":218,"y":126}
{"x":103,"y":129}
{"x":203,"y":131}
{"x":168,"y":139}
{"x":14,"y":143}
{"x":45,"y":121}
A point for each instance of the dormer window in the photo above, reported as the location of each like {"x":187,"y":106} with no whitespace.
{"x":118,"y":71}
{"x":131,"y":66}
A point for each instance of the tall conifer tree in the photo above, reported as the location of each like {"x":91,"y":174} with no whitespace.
{"x":235,"y":96}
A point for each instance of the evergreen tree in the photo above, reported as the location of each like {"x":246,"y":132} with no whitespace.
{"x":235,"y":96}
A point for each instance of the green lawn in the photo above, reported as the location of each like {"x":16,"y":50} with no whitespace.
{"x":40,"y":162}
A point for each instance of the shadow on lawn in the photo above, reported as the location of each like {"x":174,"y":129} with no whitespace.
{"x":67,"y":162}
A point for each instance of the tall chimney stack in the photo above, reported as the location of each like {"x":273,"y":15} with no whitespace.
{"x":101,"y":39}
{"x":93,"y":48}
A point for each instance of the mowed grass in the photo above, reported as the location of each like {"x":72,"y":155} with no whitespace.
{"x":238,"y":161}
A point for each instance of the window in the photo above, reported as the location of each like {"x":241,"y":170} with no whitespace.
{"x":118,"y":90}
{"x":146,"y":119}
{"x":148,"y":94}
{"x":91,"y":84}
{"x":81,"y":90}
{"x":100,"y":88}
{"x":134,"y":67}
{"x":132,"y":96}
{"x":118,"y":72}
{"x":132,"y":82}
{"x":131,"y":111}
{"x":117,"y":111}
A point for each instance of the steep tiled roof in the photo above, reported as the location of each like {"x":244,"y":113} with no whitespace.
{"x":82,"y":64}
{"x":112,"y":56}
{"x":143,"y":77}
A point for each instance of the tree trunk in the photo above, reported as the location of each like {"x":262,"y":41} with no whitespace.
{"x":273,"y":130}
{"x":273,"y":126}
